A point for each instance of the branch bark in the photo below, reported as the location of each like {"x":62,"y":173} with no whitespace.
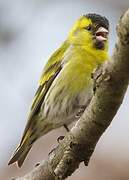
{"x":78,"y":145}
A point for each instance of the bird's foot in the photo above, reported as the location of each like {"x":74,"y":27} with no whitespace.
{"x":60,"y":138}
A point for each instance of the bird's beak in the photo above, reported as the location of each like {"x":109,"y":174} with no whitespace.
{"x":101,"y":34}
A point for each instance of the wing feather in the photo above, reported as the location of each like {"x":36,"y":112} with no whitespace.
{"x":50,"y":72}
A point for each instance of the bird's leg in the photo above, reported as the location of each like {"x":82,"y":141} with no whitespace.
{"x":66,"y":127}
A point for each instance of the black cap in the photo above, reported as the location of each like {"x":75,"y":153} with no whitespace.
{"x":98,"y":19}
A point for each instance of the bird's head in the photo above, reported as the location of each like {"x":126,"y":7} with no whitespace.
{"x":91,"y":31}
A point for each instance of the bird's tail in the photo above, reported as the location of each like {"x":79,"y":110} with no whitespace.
{"x":29,"y":137}
{"x":21,"y":153}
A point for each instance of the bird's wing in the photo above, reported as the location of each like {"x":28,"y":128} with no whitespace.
{"x":50,"y":71}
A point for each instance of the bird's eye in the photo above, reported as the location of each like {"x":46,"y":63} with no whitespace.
{"x":89,"y":27}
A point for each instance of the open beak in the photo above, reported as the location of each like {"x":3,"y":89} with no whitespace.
{"x":101,"y":34}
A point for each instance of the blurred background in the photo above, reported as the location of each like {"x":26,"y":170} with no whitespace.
{"x":30,"y":30}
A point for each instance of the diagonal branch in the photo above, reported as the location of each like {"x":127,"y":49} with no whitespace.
{"x":78,"y":145}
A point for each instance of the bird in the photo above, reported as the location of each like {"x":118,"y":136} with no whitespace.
{"x":66,"y":85}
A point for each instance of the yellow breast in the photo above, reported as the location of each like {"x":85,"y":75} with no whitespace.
{"x":81,"y":62}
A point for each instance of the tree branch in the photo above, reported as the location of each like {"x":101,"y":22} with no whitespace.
{"x":78,"y":145}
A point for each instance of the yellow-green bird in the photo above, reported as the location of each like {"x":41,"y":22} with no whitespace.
{"x":66,"y":86}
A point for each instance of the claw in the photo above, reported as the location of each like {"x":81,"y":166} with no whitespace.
{"x":60,"y":138}
{"x":37,"y":164}
{"x":80,"y":112}
{"x":51,"y":151}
